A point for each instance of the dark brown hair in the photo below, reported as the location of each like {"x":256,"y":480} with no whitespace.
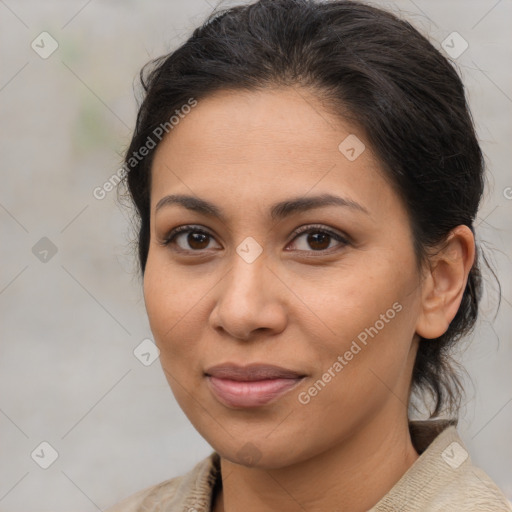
{"x":371,"y":68}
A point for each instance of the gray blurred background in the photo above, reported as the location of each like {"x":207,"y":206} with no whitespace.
{"x":71,"y":306}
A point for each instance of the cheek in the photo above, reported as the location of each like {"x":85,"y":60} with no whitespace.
{"x":169,"y":304}
{"x":370,"y":314}
{"x":352,"y":298}
{"x":172,"y":308}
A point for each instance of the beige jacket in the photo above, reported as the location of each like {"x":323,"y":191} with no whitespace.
{"x":442,"y":479}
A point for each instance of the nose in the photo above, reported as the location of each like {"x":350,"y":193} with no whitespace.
{"x":250,"y":300}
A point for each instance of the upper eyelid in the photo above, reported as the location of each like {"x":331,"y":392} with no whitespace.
{"x":186,"y":228}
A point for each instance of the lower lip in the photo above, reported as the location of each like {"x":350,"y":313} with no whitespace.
{"x":250,"y":394}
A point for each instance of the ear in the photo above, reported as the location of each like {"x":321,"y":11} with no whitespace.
{"x":444,"y":282}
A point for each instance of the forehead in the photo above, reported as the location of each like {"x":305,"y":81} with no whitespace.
{"x":290,"y":123}
{"x":265,"y":143}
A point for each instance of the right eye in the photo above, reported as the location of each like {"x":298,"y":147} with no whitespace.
{"x":196,"y":238}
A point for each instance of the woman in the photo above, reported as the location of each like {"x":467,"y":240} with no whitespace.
{"x":306,"y":176}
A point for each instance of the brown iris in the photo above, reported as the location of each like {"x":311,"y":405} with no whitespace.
{"x":196,"y":240}
{"x":317,"y":240}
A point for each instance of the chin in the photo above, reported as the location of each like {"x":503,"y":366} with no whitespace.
{"x":260,"y":454}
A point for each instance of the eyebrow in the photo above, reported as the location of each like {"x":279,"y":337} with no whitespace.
{"x":278,"y":211}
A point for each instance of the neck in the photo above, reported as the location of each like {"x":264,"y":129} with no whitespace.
{"x":350,"y":477}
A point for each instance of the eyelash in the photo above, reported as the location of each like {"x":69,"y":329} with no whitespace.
{"x":299,"y":231}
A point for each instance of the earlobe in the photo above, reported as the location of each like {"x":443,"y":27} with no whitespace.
{"x":444,"y":282}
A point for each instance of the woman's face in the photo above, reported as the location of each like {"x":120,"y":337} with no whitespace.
{"x":337,"y":305}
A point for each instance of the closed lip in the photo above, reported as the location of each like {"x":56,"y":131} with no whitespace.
{"x":251,"y":372}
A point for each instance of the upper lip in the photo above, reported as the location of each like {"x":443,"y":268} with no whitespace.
{"x":251,"y":372}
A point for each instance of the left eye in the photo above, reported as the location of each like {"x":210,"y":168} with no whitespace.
{"x":318,"y":239}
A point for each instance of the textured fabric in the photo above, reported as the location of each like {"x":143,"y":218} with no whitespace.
{"x":442,"y":479}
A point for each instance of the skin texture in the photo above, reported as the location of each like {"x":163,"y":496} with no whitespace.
{"x":294,"y":306}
